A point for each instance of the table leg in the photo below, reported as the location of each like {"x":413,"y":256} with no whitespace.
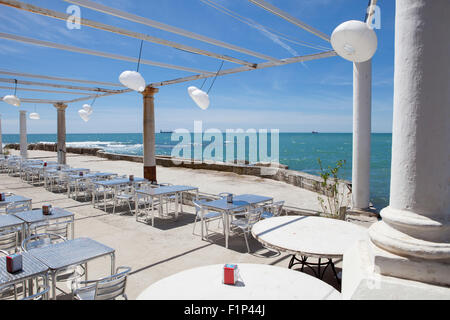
{"x":227,"y":227}
{"x":45,"y":280}
{"x":176,"y":205}
{"x":54,"y":284}
{"x":73,"y":227}
{"x":201,"y":221}
{"x":160,"y":206}
{"x":104,"y":197}
{"x":113,"y":263}
{"x":136,"y":207}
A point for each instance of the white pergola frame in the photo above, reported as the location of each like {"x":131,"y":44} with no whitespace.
{"x":149,"y":142}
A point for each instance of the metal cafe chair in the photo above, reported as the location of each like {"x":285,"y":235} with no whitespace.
{"x":272,"y":210}
{"x":123,"y":194}
{"x":16,"y":207}
{"x":246,"y":224}
{"x":9,"y":240}
{"x":108,"y":288}
{"x":207,"y":217}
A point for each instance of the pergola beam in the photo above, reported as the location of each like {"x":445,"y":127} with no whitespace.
{"x":264,"y":65}
{"x":286,"y":16}
{"x":65,"y":86}
{"x":101,"y":26}
{"x":370,"y":10}
{"x":45,"y":101}
{"x":98,"y":96}
{"x":47,"y":91}
{"x":97,"y":53}
{"x":155,"y":24}
{"x":29,"y":75}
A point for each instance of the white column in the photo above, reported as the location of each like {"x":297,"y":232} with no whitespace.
{"x":362,"y":108}
{"x":1,"y":142}
{"x":61,"y":132}
{"x":23,"y":134}
{"x":408,"y":254}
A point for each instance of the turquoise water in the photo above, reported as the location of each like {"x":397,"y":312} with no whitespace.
{"x":299,"y":151}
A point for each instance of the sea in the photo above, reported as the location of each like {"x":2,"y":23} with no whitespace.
{"x":299,"y":151}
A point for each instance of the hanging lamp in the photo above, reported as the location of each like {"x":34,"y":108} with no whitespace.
{"x":34,"y":115}
{"x":133,"y":79}
{"x":200,"y":97}
{"x":86,"y":110}
{"x":354,"y":41}
{"x":13,"y":99}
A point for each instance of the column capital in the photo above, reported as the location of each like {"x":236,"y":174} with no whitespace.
{"x":22,"y":111}
{"x":60,"y":106}
{"x":149,"y":91}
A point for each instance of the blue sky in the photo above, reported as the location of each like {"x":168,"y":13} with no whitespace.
{"x":301,"y":97}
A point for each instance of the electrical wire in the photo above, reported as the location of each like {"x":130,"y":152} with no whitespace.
{"x":140,"y":54}
{"x":215,"y":77}
{"x":93,"y":101}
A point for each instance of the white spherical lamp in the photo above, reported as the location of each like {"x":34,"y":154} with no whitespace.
{"x":200,"y":97}
{"x":354,"y":41}
{"x":12,"y":100}
{"x":132,"y":80}
{"x":35,"y":116}
{"x":84,"y":115}
{"x":88,"y":109}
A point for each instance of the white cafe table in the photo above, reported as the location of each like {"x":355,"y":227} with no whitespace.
{"x":321,"y":238}
{"x":258,"y":282}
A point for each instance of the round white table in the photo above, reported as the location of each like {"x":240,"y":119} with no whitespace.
{"x":317,"y":237}
{"x":259,"y":282}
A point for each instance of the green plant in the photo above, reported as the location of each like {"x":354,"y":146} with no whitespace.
{"x":332,"y":206}
{"x":6,"y":152}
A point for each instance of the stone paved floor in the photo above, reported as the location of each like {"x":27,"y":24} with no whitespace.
{"x":152,"y":252}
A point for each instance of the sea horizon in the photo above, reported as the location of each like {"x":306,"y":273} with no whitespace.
{"x":300,"y":151}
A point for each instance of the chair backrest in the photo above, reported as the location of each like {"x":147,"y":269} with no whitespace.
{"x":254,"y":215}
{"x":41,"y":240}
{"x":112,"y":287}
{"x":59,"y":228}
{"x":9,"y":240}
{"x":275,"y":208}
{"x":198,"y":204}
{"x":16,"y":207}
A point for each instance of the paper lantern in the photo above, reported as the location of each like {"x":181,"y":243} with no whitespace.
{"x":354,"y":41}
{"x":132,"y":80}
{"x":200,"y":97}
{"x":12,"y":100}
{"x":84,"y":115}
{"x":88,"y":109}
{"x":35,"y":116}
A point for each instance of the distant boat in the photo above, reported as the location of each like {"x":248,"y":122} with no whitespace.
{"x":315,"y":132}
{"x":165,"y":131}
